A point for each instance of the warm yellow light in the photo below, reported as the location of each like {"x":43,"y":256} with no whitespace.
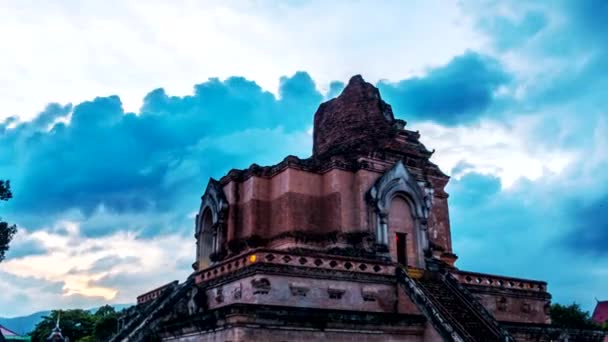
{"x":253,"y":258}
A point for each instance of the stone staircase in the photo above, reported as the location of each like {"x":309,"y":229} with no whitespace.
{"x":464,"y":318}
{"x":139,"y":326}
{"x":454,"y":312}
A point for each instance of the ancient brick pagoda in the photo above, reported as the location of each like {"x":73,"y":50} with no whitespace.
{"x":351,"y":243}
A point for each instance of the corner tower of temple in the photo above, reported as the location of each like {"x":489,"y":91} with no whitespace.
{"x":367,"y":176}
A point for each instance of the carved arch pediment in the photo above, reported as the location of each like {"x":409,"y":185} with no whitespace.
{"x":215,"y":201}
{"x":400,"y":180}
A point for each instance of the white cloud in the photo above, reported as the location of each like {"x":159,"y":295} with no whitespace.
{"x":72,"y":51}
{"x":70,"y":260}
{"x":493,"y":148}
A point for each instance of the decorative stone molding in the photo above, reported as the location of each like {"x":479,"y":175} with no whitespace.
{"x":495,"y":281}
{"x":273,"y":257}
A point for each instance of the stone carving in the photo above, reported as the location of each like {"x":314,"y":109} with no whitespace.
{"x":335,"y":293}
{"x":298,"y":290}
{"x":368,"y":296}
{"x":501,"y":304}
{"x":237,"y":292}
{"x":197,"y":301}
{"x":526,"y":307}
{"x":180,"y":309}
{"x":219,"y":294}
{"x":260,"y":286}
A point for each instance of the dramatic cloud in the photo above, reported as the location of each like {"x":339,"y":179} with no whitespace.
{"x":63,"y":52}
{"x":530,"y":231}
{"x":79,"y":267}
{"x":455,"y":93}
{"x":130,"y":163}
{"x":494,"y":148}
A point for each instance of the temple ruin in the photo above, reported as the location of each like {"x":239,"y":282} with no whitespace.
{"x":353,"y":243}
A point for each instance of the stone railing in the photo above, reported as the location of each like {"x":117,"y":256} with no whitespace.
{"x":151,"y":295}
{"x":273,"y":257}
{"x":490,"y":280}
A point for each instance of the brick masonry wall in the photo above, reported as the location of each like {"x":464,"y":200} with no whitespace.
{"x":511,"y":308}
{"x":251,"y":334}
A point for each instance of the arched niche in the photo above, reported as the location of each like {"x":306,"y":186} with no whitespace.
{"x":398,"y":198}
{"x":206,"y":240}
{"x":210,"y":232}
{"x":402,"y":231}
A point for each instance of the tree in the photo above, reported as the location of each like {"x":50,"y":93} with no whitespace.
{"x":75,"y":324}
{"x":5,"y":190}
{"x":79,"y":325}
{"x":7,"y":231}
{"x":106,"y":322}
{"x":571,"y":317}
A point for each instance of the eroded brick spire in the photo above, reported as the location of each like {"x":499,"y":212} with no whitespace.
{"x":355,"y":121}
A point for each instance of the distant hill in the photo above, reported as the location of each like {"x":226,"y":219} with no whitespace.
{"x":24,"y":324}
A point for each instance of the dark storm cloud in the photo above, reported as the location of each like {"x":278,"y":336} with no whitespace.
{"x":456,"y":93}
{"x":128,"y":162}
{"x":539,"y":230}
{"x":589,"y":222}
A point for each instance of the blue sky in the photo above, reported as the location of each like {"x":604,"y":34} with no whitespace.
{"x":113,"y":115}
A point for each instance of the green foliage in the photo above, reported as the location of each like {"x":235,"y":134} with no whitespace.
{"x":5,"y":190}
{"x":74,"y":324}
{"x":572,"y":317}
{"x":106,"y":323}
{"x":79,"y":325}
{"x":7,"y":231}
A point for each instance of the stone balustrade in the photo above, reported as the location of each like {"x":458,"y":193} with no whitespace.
{"x":490,"y":280}
{"x":151,"y":295}
{"x":336,"y":263}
